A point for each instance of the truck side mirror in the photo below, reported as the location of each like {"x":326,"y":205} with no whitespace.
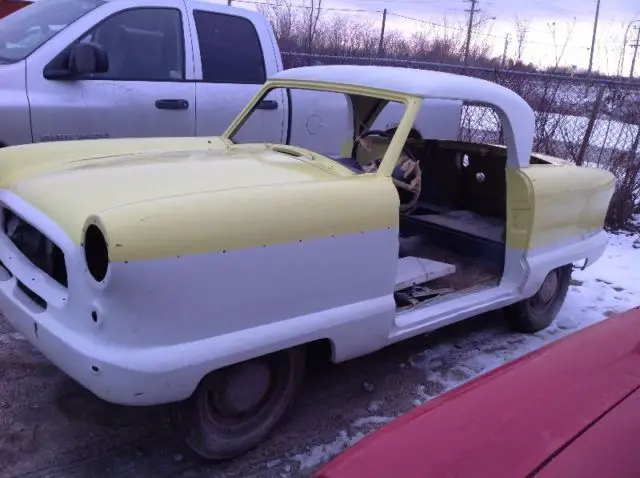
{"x":86,"y":58}
{"x":81,"y":59}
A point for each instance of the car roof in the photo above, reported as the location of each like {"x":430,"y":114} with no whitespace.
{"x":410,"y":81}
{"x":515,"y":113}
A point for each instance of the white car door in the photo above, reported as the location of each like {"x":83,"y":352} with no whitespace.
{"x":233,"y":55}
{"x":146,"y":91}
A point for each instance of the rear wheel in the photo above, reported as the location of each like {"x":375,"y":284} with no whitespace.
{"x":538,"y":312}
{"x":235,"y":408}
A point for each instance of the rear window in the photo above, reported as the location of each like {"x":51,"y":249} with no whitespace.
{"x":229,"y":49}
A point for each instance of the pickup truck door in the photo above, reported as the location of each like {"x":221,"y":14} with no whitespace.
{"x":234,"y":53}
{"x":145,"y":93}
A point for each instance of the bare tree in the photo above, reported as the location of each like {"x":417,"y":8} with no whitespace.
{"x":522,"y":30}
{"x":563,"y":46}
{"x":314,"y":17}
{"x":285,"y":20}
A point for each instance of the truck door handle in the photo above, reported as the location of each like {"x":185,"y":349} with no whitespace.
{"x":267,"y":105}
{"x":172,"y":104}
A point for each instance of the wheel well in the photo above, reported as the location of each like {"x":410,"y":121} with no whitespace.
{"x":317,"y":352}
{"x":320,"y":351}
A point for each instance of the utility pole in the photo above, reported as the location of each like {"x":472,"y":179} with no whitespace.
{"x":635,"y":52}
{"x":472,"y":12}
{"x":593,"y":39}
{"x":506,"y":46}
{"x":384,"y":24}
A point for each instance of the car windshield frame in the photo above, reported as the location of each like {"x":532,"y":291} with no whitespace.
{"x":411,"y":103}
{"x":18,"y":28}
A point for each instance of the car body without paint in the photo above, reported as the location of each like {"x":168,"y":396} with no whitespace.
{"x":147,"y":265}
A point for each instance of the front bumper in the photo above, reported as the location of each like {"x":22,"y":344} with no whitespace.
{"x":97,"y":367}
{"x":64,"y":332}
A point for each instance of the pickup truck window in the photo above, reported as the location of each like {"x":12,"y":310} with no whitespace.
{"x":142,"y":44}
{"x":24,"y":31}
{"x":229,"y":49}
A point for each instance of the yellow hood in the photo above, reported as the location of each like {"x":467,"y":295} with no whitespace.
{"x":70,"y":181}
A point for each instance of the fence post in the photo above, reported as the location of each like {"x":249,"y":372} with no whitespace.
{"x":592,"y":121}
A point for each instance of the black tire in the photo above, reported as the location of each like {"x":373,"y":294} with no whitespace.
{"x":538,"y":312}
{"x":216,"y":429}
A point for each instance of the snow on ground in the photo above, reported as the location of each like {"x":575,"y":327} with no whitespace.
{"x":609,"y":286}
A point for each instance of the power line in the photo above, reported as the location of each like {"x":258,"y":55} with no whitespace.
{"x":413,"y":2}
{"x":308,"y":7}
{"x":398,"y":15}
{"x":440,"y":25}
{"x":427,"y":22}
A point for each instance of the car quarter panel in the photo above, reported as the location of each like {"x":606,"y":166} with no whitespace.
{"x":555,"y":217}
{"x":569,"y":202}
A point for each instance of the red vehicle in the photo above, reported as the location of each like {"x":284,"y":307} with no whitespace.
{"x":9,"y":6}
{"x":568,"y":410}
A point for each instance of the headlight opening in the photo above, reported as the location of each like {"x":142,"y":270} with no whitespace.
{"x":96,"y":253}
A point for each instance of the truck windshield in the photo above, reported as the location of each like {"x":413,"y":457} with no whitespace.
{"x":25,"y":30}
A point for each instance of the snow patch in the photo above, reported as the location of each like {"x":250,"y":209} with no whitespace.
{"x":608,"y":287}
{"x":323,"y":453}
{"x":373,"y":420}
{"x":11,"y":337}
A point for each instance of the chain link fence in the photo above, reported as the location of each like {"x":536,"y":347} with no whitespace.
{"x":593,"y":122}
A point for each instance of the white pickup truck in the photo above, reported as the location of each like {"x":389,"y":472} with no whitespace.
{"x":84,"y":69}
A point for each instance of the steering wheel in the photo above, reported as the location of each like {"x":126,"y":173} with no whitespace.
{"x":406,"y":176}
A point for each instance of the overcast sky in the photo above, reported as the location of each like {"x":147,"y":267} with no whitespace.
{"x":573,"y":25}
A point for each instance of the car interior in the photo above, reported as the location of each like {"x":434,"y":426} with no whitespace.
{"x":452,"y":213}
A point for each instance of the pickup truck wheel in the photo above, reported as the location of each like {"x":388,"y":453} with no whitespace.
{"x":538,"y":312}
{"x":235,"y":408}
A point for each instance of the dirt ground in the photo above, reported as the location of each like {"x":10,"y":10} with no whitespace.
{"x":53,"y":428}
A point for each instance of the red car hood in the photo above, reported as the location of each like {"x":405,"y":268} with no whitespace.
{"x":551,"y":413}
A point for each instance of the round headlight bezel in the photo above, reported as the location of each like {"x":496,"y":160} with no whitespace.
{"x":96,"y":253}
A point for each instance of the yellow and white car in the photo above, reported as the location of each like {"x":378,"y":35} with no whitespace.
{"x":160,"y":270}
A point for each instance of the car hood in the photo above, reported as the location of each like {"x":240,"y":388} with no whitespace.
{"x":514,"y":420}
{"x":70,"y":181}
{"x":608,"y":448}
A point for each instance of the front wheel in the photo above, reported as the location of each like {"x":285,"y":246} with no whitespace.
{"x":538,"y":312}
{"x":235,"y":408}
